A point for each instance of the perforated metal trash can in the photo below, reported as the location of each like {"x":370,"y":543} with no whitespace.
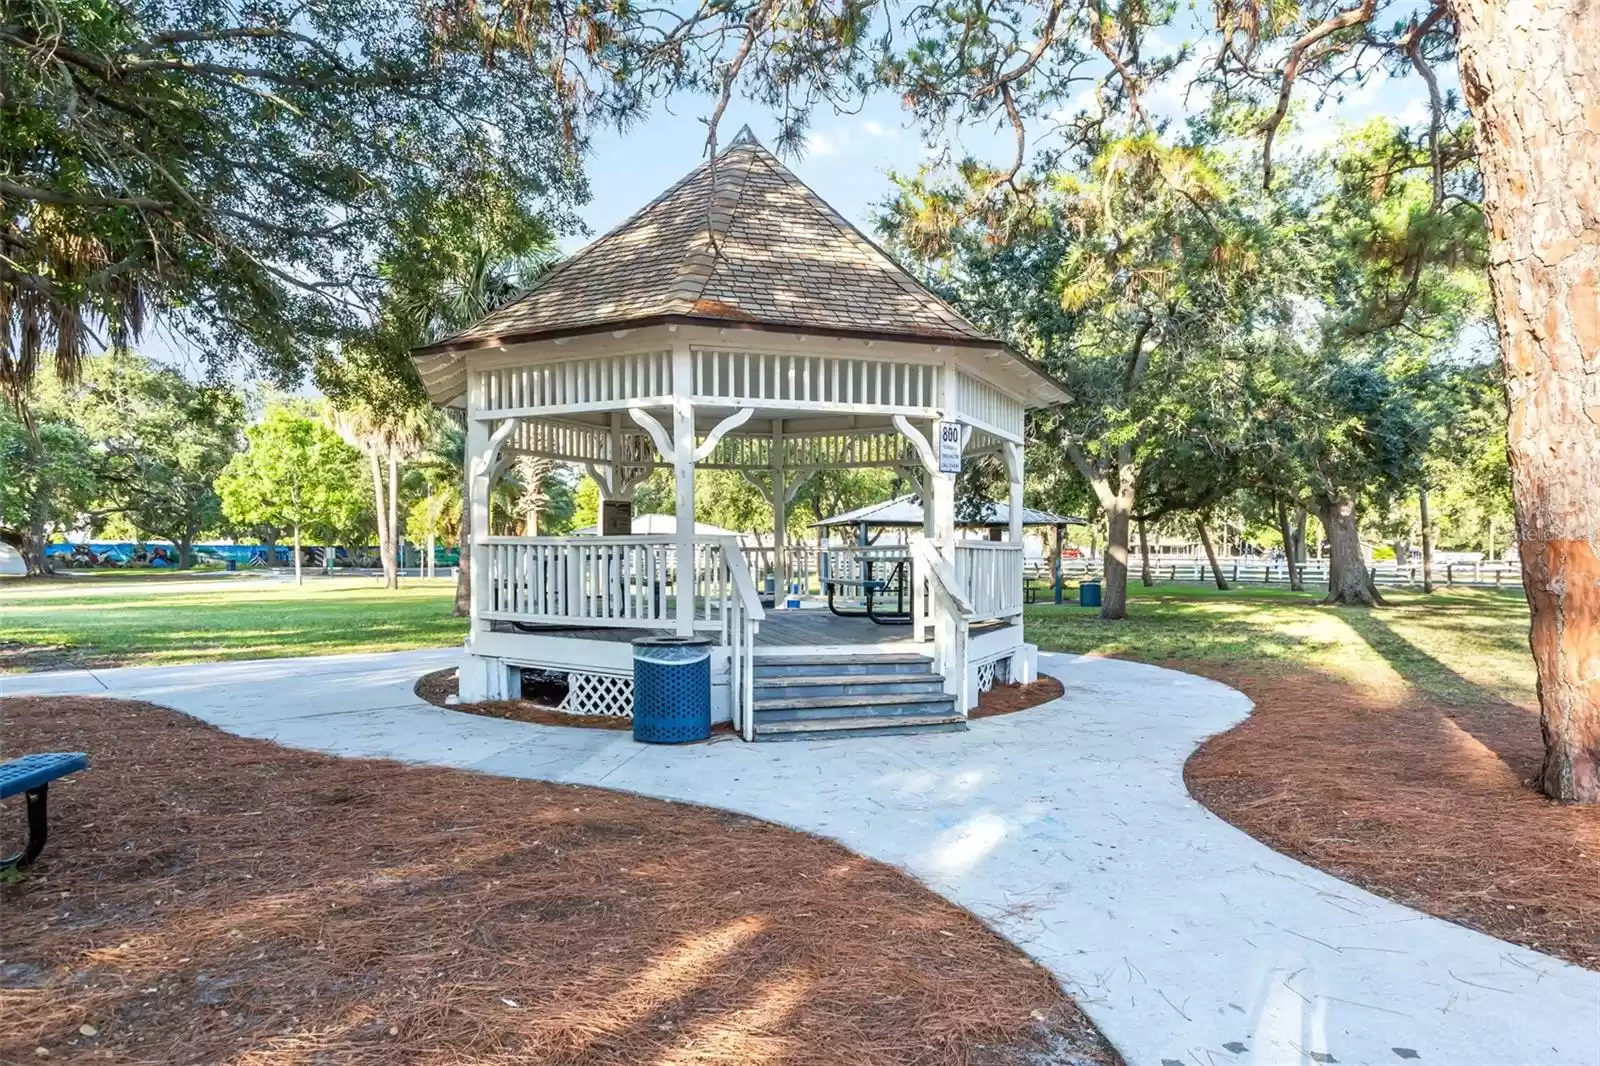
{"x":672,"y":689}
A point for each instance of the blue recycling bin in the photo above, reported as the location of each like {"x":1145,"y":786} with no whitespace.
{"x":1089,"y":594}
{"x":672,"y":689}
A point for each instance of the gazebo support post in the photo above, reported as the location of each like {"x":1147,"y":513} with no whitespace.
{"x":485,"y":462}
{"x":1013,"y":457}
{"x":477,"y":445}
{"x":780,"y":519}
{"x":683,"y":448}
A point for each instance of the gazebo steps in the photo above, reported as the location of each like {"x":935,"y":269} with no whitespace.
{"x":862,"y":726}
{"x":855,"y":663}
{"x":791,"y":687}
{"x":826,"y":696}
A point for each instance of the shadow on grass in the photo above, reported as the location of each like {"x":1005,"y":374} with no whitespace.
{"x":1433,"y":678}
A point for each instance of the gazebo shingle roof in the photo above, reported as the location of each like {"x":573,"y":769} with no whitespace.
{"x":761,"y":249}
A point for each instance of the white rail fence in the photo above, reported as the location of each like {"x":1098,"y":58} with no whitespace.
{"x":1259,"y":572}
{"x":989,"y":575}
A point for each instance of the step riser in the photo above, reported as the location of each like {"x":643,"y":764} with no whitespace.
{"x":856,"y":734}
{"x":931,"y":685}
{"x":800,"y":667}
{"x":844,"y":712}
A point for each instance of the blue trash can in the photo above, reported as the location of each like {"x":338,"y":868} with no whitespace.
{"x":672,"y":689}
{"x":1089,"y":594}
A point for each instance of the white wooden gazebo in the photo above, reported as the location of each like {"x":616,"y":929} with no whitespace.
{"x":737,"y":322}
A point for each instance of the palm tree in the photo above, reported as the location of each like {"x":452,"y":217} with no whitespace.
{"x":387,"y":440}
{"x":486,"y":282}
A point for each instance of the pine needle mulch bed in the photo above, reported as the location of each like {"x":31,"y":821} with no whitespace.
{"x":1424,"y":801}
{"x":1011,"y":698}
{"x":207,"y":898}
{"x":440,"y":685}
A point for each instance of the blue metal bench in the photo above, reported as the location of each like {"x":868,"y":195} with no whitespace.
{"x":30,"y":776}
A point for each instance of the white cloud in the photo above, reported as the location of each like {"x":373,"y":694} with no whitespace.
{"x":822,"y":144}
{"x":877,"y":129}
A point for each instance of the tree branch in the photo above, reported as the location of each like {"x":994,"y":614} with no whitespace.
{"x":1412,"y":44}
{"x":1291,"y":69}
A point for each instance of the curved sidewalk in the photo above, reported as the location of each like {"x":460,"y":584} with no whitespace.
{"x":1067,"y":828}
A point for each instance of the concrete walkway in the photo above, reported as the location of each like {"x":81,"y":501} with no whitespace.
{"x":1067,"y":828}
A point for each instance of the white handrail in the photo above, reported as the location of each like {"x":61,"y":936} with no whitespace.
{"x":942,"y":576}
{"x":744,"y":615}
{"x":951,"y":612}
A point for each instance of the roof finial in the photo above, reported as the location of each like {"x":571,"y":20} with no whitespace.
{"x":745,"y":137}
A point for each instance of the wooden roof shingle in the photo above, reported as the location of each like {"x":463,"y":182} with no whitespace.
{"x":740,"y":239}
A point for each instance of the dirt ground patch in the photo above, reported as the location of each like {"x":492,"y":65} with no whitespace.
{"x":207,"y":898}
{"x":1423,"y":802}
{"x":440,"y":685}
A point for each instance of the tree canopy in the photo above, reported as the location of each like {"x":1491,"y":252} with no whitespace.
{"x":238,"y":171}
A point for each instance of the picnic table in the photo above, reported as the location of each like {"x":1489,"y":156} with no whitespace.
{"x":870,"y":588}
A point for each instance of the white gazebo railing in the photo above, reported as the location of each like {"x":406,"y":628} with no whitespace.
{"x":628,"y":582}
{"x":854,"y":562}
{"x":601,"y":581}
{"x":989,"y":575}
{"x":631,"y":581}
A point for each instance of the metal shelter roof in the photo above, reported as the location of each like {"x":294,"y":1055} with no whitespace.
{"x":907,"y":511}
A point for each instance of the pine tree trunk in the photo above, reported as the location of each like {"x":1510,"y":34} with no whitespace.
{"x":1531,"y":74}
{"x":1211,"y":553}
{"x":1289,"y":548}
{"x":1145,"y":577}
{"x":1349,"y":582}
{"x":1114,"y":594}
{"x":1427,"y":538}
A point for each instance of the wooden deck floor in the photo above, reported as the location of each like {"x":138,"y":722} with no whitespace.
{"x":805,"y":628}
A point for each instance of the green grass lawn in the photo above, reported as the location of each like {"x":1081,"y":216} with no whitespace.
{"x":1460,"y":644}
{"x":163,"y":620}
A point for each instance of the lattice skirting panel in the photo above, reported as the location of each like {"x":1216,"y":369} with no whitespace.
{"x":993,"y":671}
{"x":605,"y":694}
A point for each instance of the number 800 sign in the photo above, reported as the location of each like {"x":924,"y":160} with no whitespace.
{"x":949,"y":447}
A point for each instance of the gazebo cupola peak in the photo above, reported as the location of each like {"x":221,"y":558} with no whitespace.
{"x":738,"y":323}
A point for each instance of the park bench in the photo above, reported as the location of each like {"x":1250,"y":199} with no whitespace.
{"x":30,"y":776}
